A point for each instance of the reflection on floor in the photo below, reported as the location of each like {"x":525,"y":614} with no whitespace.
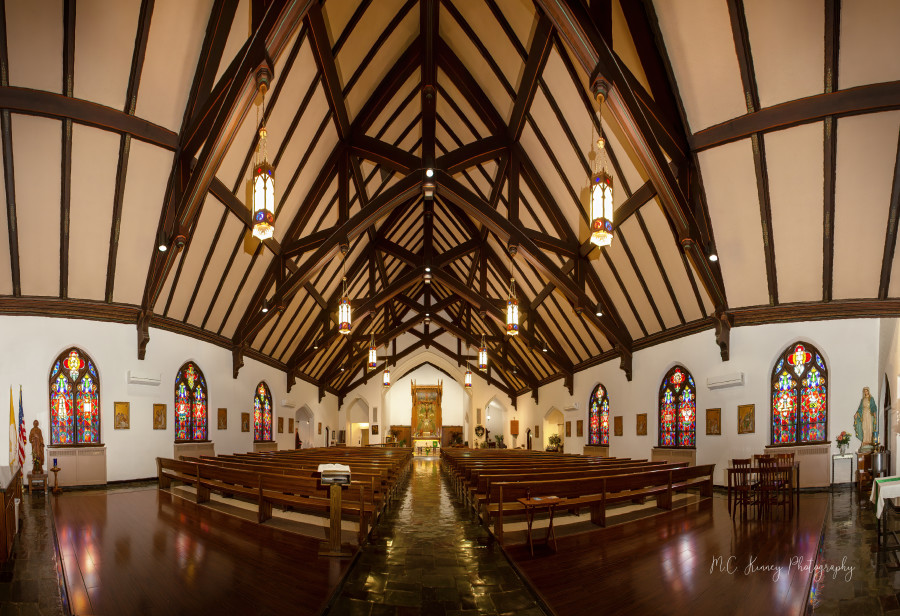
{"x":428,"y":556}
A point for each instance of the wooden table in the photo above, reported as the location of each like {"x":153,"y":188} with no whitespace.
{"x":756,"y":470}
{"x":884,"y":492}
{"x":534,"y":503}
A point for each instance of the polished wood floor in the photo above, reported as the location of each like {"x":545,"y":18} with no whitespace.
{"x":149,"y":552}
{"x":666,"y":564}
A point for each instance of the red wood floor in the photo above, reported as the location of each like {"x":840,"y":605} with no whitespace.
{"x":148,"y":552}
{"x":665,"y":564}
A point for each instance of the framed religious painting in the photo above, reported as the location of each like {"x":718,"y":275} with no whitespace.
{"x":122,"y":415}
{"x":579,"y":427}
{"x":245,"y":422}
{"x":537,"y":431}
{"x":617,"y":426}
{"x":568,"y":428}
{"x":291,"y":425}
{"x":714,"y":421}
{"x":642,"y":424}
{"x":746,"y":419}
{"x":159,"y":416}
{"x":374,"y":429}
{"x":320,"y":427}
{"x":222,"y":419}
{"x":281,"y":425}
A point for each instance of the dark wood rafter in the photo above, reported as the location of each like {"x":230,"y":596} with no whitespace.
{"x":428,"y":26}
{"x":890,"y":240}
{"x":65,"y":181}
{"x":751,"y":96}
{"x":137,"y":65}
{"x":321,"y":45}
{"x":595,"y":57}
{"x":541,"y":45}
{"x":9,"y":173}
{"x":184,"y":198}
{"x":829,"y":146}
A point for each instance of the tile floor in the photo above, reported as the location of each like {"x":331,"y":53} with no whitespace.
{"x":429,"y":556}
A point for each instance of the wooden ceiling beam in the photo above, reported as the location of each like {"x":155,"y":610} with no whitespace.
{"x":829,"y":146}
{"x":595,"y":57}
{"x":890,"y":239}
{"x":321,"y":46}
{"x":9,"y":171}
{"x":65,"y":182}
{"x":474,"y":153}
{"x":384,"y":154}
{"x":541,"y":44}
{"x":400,"y":72}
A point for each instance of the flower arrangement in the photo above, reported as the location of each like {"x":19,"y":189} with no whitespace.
{"x":843,"y":438}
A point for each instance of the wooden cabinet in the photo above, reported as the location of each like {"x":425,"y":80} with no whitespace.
{"x":864,"y":471}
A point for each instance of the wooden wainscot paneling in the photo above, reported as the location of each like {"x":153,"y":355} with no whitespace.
{"x":194,"y":450}
{"x":261,"y":447}
{"x":10,"y":491}
{"x":596,"y":450}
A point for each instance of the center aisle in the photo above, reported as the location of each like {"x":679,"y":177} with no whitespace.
{"x":429,"y":556}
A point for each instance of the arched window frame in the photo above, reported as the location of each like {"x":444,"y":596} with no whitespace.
{"x":262,"y":410}
{"x":684,"y":397}
{"x":78,"y":425}
{"x":197,"y":421}
{"x":805,"y":367}
{"x":598,"y":417}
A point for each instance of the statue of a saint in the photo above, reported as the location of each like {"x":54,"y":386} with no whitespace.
{"x":36,"y":439}
{"x":865,"y":422}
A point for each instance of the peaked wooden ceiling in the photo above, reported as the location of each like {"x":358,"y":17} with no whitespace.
{"x":726,"y":123}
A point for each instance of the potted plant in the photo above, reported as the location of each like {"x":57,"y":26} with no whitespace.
{"x":499,"y":439}
{"x":554,"y":440}
{"x":842,"y":440}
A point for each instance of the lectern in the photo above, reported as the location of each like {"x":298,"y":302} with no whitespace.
{"x":335,"y":476}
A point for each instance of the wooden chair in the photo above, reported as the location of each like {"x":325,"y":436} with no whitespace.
{"x":743,"y":487}
{"x":769,"y":485}
{"x":785,"y":458}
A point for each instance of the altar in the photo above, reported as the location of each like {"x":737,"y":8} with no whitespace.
{"x":426,"y":447}
{"x":426,"y":418}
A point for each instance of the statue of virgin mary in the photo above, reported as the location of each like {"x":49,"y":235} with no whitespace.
{"x":865,"y":422}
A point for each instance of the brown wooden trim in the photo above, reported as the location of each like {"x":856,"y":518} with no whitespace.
{"x":321,"y":46}
{"x":65,"y":181}
{"x":115,"y":225}
{"x":852,"y":101}
{"x":832,"y":64}
{"x":537,"y":58}
{"x":890,"y":241}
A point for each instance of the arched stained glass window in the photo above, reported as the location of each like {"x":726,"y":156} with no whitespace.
{"x":677,"y":409}
{"x":74,"y":400}
{"x":598,"y":417}
{"x":191,"y":402}
{"x":262,"y":413}
{"x":799,"y":396}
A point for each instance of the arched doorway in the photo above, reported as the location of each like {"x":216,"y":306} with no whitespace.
{"x":304,"y":421}
{"x":358,"y":418}
{"x":495,"y":421}
{"x":554,"y":423}
{"x":528,"y":439}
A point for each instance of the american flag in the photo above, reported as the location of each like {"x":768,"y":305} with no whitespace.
{"x":21,"y":431}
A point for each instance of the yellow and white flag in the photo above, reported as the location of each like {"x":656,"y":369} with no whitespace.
{"x":13,"y":433}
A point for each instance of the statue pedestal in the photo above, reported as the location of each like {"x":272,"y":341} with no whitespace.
{"x":37,"y":480}
{"x":865,"y":449}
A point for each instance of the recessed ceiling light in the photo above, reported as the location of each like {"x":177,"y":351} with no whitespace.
{"x":713,"y":257}
{"x":429,"y":173}
{"x":427,"y":269}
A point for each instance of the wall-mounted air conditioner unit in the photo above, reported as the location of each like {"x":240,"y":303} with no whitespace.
{"x":572,"y":406}
{"x":136,"y":378}
{"x":725,"y":380}
{"x":288,"y":403}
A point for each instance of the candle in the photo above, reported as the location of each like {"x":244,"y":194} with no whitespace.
{"x":54,"y":461}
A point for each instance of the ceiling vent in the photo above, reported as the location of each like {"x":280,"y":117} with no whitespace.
{"x":726,"y":380}
{"x":136,"y":378}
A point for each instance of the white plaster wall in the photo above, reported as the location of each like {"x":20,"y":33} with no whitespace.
{"x":32,"y":343}
{"x":850,"y":347}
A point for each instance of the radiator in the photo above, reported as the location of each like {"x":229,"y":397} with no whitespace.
{"x":663,"y":454}
{"x":194,"y":450}
{"x":81,"y":466}
{"x":815,"y":463}
{"x":601,"y":451}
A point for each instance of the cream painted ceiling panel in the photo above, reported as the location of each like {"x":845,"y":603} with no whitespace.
{"x":795,"y":194}
{"x":554,"y":183}
{"x":237,"y":36}
{"x":402,"y":37}
{"x":337,"y":15}
{"x":787,"y":41}
{"x":104,"y":45}
{"x":697,"y":37}
{"x":866,"y":155}
{"x":361,"y":40}
{"x":215,"y":270}
{"x":163,"y":297}
{"x":34,"y":41}
{"x":670,"y":255}
{"x":6,"y":286}
{"x":633,"y":287}
{"x":95,"y":156}
{"x":233,"y":277}
{"x":618,"y":298}
{"x":145,"y":188}
{"x":290,"y":313}
{"x":730,"y":181}
{"x":387,"y":112}
{"x":317,"y":159}
{"x":36,"y":148}
{"x":173,"y":48}
{"x":623,"y":44}
{"x":869,"y":49}
{"x":649,"y":270}
{"x":264,"y":332}
{"x":201,"y":242}
{"x":246,"y":294}
{"x":520,"y":15}
{"x":453,"y":92}
{"x":492,"y":36}
{"x":481,"y":72}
